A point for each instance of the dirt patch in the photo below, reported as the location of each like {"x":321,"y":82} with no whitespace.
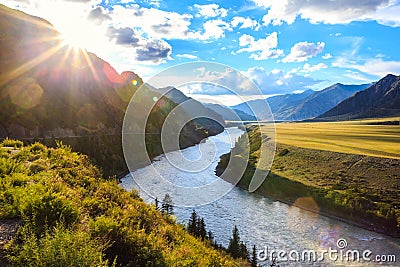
{"x":8,"y":230}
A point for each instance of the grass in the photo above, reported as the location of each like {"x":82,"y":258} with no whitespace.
{"x":352,"y":137}
{"x":71,"y":216}
{"x":315,"y":160}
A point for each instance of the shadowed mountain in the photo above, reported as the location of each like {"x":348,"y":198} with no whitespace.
{"x":379,"y":100}
{"x":309,"y":104}
{"x":230,"y":114}
{"x":51,"y":91}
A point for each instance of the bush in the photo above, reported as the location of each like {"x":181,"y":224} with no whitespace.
{"x":12,"y":143}
{"x":47,"y":210}
{"x":60,"y":247}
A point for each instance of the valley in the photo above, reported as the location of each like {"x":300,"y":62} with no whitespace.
{"x":350,"y":170}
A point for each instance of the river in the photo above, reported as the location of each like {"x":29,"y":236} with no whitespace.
{"x":270,"y":225}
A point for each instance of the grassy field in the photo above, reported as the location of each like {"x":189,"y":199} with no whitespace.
{"x":352,"y":137}
{"x":350,"y":169}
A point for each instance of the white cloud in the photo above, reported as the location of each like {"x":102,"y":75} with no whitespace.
{"x":373,"y":66}
{"x":302,"y":51}
{"x":311,"y":68}
{"x":212,"y":29}
{"x":355,"y":75}
{"x":331,"y":12}
{"x":154,"y":22}
{"x":278,"y":81}
{"x":327,"y":56}
{"x":265,"y":48}
{"x":245,"y":23}
{"x":189,"y":56}
{"x":211,"y":11}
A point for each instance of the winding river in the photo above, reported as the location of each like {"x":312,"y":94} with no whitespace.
{"x":294,"y":234}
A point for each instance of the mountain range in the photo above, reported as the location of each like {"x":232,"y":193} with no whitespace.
{"x":301,"y":106}
{"x":382,"y":99}
{"x":230,"y":114}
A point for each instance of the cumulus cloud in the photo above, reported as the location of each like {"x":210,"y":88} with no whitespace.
{"x":154,"y":51}
{"x":311,"y":68}
{"x":212,"y":29}
{"x":247,"y":83}
{"x":142,"y":48}
{"x":278,"y":81}
{"x":327,"y":56}
{"x":156,"y":23}
{"x":98,"y":14}
{"x":244,"y":23}
{"x":264,"y":48}
{"x":123,"y":36}
{"x":302,"y":51}
{"x":330,"y":12}
{"x":211,"y":11}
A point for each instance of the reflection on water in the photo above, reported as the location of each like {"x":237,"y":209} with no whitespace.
{"x":261,"y":221}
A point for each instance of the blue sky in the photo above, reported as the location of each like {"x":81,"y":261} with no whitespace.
{"x":282,"y":45}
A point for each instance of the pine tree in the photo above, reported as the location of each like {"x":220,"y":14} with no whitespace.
{"x":210,"y":236}
{"x":202,"y":229}
{"x":192,"y":225}
{"x":253,"y":262}
{"x":243,"y":252}
{"x":234,"y":243}
{"x":156,"y":202}
{"x":167,"y":205}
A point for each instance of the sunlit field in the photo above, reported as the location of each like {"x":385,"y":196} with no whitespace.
{"x":353,"y":137}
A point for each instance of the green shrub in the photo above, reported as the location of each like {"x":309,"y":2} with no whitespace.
{"x":37,"y":148}
{"x":12,"y":143}
{"x":47,"y":210}
{"x":60,"y":247}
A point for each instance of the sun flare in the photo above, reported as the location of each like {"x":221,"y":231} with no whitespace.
{"x":78,"y":36}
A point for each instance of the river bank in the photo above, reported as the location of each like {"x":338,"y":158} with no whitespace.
{"x":346,"y":187}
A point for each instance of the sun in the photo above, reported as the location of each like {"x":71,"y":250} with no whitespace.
{"x":79,"y":36}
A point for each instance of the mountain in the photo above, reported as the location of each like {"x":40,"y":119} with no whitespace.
{"x":309,"y":104}
{"x":49,"y":91}
{"x":379,"y":100}
{"x":192,"y":107}
{"x":230,"y":114}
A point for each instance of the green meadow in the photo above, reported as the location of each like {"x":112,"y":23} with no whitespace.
{"x":363,"y":137}
{"x":348,"y":170}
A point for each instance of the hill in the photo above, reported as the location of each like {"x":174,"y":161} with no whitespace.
{"x":379,"y":100}
{"x":306,"y":105}
{"x":50,"y":91}
{"x":230,"y":114}
{"x":67,"y":215}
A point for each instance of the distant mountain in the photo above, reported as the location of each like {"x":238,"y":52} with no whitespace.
{"x":230,"y":114}
{"x":49,"y":91}
{"x":306,"y":105}
{"x":193,"y":107}
{"x":379,"y":100}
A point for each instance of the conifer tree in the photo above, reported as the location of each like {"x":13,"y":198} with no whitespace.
{"x":167,"y":205}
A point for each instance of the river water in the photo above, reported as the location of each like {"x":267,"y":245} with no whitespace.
{"x":270,"y":225}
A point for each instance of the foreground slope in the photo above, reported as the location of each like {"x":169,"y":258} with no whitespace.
{"x":68,"y":216}
{"x":379,"y":100}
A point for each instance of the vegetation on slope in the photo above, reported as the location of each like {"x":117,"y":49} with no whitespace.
{"x":362,"y":189}
{"x":70,"y":217}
